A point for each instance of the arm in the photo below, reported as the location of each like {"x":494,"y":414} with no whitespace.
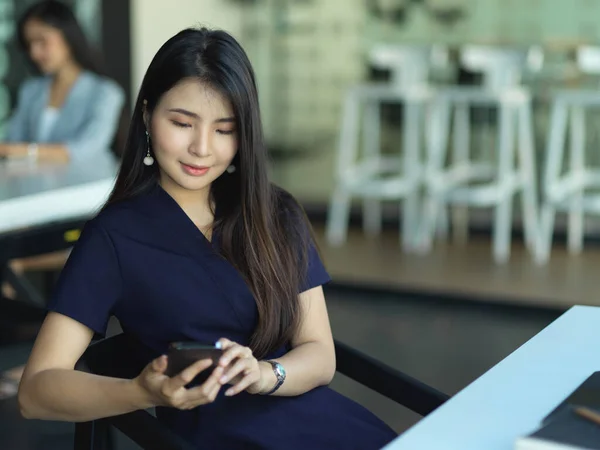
{"x":99,"y":131}
{"x":310,"y":363}
{"x":17,"y":124}
{"x":46,"y":152}
{"x":94,"y":137}
{"x":51,"y":389}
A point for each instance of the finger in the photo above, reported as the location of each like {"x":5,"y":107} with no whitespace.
{"x":237,"y":351}
{"x":239,"y":367}
{"x":204,"y":399}
{"x":159,"y":365}
{"x":224,"y":343}
{"x":197,"y":393}
{"x":188,"y":374}
{"x":249,"y":379}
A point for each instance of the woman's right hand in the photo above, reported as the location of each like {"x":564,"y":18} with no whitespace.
{"x":162,"y":390}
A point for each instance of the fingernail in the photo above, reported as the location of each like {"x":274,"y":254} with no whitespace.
{"x":229,"y":392}
{"x":223,"y":379}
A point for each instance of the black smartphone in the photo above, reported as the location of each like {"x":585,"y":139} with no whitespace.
{"x":183,"y":354}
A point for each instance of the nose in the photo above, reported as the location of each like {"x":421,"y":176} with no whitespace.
{"x":200,"y":145}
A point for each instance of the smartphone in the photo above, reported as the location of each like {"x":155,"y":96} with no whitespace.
{"x":183,"y":354}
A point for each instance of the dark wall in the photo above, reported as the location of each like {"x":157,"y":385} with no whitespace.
{"x":116,"y":42}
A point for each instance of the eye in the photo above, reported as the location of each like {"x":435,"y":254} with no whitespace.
{"x":180,"y":124}
{"x":226,"y":132}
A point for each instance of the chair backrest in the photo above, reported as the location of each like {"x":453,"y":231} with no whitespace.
{"x":410,"y":65}
{"x":119,"y":356}
{"x":501,"y":67}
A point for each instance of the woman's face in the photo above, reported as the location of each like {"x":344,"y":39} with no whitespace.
{"x":47,"y":46}
{"x":193,"y":135}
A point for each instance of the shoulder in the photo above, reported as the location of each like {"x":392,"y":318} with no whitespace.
{"x":285,"y":204}
{"x":120,"y":216}
{"x":101,"y":85}
{"x":32,"y":86}
{"x":290,"y":214}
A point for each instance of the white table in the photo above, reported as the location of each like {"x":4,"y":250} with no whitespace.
{"x":512,"y":398}
{"x":40,"y":205}
{"x":33,"y":194}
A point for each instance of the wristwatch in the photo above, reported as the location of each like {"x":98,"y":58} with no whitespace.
{"x":279,"y":373}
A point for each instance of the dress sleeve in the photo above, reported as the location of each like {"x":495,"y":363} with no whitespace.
{"x":90,"y":284}
{"x":315,"y":273}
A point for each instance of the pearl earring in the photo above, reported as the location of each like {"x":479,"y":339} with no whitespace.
{"x":148,"y":160}
{"x":231,"y":169}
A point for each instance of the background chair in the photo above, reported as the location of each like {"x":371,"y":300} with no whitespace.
{"x":123,"y":357}
{"x":459,"y":178}
{"x":571,"y":183}
{"x":362,"y":171}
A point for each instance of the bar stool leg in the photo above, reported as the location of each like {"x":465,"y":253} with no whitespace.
{"x":528,"y":176}
{"x":434,"y":210}
{"x":503,"y":212}
{"x":554,"y":157}
{"x":411,"y":142}
{"x":372,"y":215}
{"x":339,"y":208}
{"x":575,"y":231}
{"x":460,"y":158}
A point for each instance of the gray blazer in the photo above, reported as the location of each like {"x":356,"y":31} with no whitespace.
{"x":87,"y":121}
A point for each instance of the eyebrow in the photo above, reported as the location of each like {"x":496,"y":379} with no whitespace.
{"x":185,"y":112}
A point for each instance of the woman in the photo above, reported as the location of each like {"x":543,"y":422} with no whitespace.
{"x":195,"y":244}
{"x":71,"y":111}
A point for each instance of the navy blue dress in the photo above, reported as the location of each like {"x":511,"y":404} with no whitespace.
{"x":145,"y":262}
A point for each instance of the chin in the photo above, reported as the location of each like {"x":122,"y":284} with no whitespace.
{"x":47,"y":70}
{"x":191,"y":184}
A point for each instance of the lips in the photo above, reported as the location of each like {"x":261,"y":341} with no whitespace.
{"x":193,"y":166}
{"x":194,"y":170}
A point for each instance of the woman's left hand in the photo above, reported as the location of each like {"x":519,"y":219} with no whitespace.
{"x":244,"y":373}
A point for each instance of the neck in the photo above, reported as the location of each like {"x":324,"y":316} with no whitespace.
{"x":196,"y":204}
{"x":67,"y":75}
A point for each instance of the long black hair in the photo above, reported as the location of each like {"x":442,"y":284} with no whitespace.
{"x":261,"y":229}
{"x":60,"y":16}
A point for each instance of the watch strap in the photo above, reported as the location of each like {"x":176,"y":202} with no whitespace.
{"x":280,"y":378}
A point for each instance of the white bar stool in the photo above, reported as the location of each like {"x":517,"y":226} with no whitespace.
{"x":565,"y":191}
{"x":367,"y":174}
{"x":484,"y":184}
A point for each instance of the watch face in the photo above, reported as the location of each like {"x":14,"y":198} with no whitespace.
{"x":280,"y":370}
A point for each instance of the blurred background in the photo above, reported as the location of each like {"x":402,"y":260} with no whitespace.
{"x":445,"y":152}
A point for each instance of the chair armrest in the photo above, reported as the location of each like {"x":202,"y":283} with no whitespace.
{"x":387,"y":381}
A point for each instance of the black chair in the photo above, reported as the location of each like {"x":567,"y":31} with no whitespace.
{"x":120,"y":356}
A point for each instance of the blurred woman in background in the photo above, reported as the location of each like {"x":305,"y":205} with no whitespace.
{"x":70,"y":111}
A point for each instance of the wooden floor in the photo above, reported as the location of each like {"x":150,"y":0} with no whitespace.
{"x":467,"y":271}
